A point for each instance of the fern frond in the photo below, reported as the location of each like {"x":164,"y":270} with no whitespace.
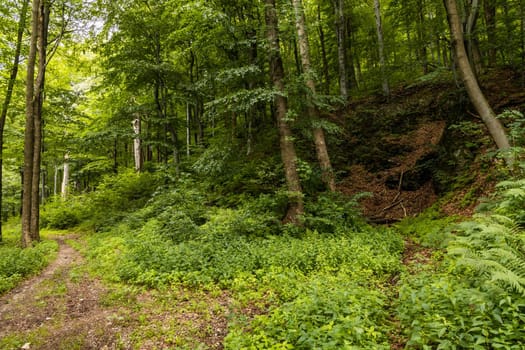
{"x":493,"y":246}
{"x":511,"y":280}
{"x":511,"y":184}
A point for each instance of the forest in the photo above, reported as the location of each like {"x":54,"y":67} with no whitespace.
{"x":277,"y":174}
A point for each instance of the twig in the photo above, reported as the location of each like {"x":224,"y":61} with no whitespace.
{"x":391,"y":205}
{"x":404,"y":209}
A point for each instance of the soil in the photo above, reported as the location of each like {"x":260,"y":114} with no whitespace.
{"x":390,"y":146}
{"x":65,"y":308}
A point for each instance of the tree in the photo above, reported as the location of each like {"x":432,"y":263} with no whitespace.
{"x":381,"y":48}
{"x":319,"y":137}
{"x":489,"y":11}
{"x":29,"y":135}
{"x":288,"y":155}
{"x":477,"y":98}
{"x":340,"y":28}
{"x":9,"y":92}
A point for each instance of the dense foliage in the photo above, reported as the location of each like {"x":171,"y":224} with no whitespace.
{"x":164,"y":132}
{"x":17,"y":264}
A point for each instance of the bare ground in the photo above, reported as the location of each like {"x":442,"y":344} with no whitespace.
{"x":66,"y":308}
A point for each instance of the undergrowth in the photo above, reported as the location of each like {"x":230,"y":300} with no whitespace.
{"x":17,"y":263}
{"x":476,"y":299}
{"x":335,"y":282}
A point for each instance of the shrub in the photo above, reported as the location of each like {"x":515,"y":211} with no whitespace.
{"x":17,"y":263}
{"x":62,"y":214}
{"x":478,"y":301}
{"x":331,"y":212}
{"x":329,"y":313}
{"x":445,"y":312}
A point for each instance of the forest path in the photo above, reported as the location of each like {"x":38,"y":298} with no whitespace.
{"x":66,"y":308}
{"x":61,"y":303}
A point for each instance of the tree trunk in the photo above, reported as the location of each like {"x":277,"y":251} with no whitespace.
{"x":137,"y":154}
{"x":9,"y":94}
{"x":489,"y":10}
{"x":289,"y":157}
{"x":470,"y":36}
{"x":477,"y":98}
{"x":188,"y":128}
{"x":319,"y":137}
{"x":353,"y":82}
{"x":340,"y":29}
{"x":29,"y":127}
{"x":38,"y":100}
{"x":55,"y":181}
{"x":381,"y":47}
{"x":324,"y":57}
{"x":65,"y":177}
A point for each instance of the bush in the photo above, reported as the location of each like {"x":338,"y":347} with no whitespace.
{"x":478,"y":300}
{"x":329,"y":313}
{"x":17,"y":263}
{"x":333,"y":212}
{"x":444,"y":312}
{"x":62,"y":214}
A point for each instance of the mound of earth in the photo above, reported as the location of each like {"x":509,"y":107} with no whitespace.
{"x":405,"y":187}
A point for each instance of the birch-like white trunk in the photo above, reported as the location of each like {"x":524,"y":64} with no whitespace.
{"x":65,"y":177}
{"x":137,"y":145}
{"x":188,"y":131}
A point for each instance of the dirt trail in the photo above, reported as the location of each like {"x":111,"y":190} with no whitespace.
{"x":62,"y":302}
{"x":65,"y":308}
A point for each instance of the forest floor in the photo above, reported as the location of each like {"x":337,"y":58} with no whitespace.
{"x":66,"y":308}
{"x":395,"y":155}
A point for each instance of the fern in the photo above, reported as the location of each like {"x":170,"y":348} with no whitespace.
{"x":493,"y":247}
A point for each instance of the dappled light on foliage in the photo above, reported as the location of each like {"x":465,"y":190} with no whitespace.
{"x":234,"y":174}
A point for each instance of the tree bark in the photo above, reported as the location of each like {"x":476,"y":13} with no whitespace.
{"x":137,"y":154}
{"x":324,"y":57}
{"x":340,"y":29}
{"x":9,"y":94}
{"x":422,"y":45}
{"x":472,"y":46}
{"x":289,"y":157}
{"x":319,"y":136}
{"x":188,"y":129}
{"x":38,"y":100}
{"x":381,"y":48}
{"x":29,"y":128}
{"x":489,"y":10}
{"x":477,"y":98}
{"x":65,"y":178}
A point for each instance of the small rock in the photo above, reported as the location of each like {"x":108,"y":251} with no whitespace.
{"x":26,"y":346}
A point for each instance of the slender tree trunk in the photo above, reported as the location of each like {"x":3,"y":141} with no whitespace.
{"x":65,"y":178}
{"x":324,"y":57}
{"x":29,"y":127}
{"x":289,"y":157}
{"x":137,"y":153}
{"x":55,"y":181}
{"x":489,"y":10}
{"x":9,"y":94}
{"x":188,"y":128}
{"x":470,"y":36}
{"x":477,"y":98}
{"x":381,"y":47}
{"x":38,"y":123}
{"x":422,"y":45}
{"x":340,"y":29}
{"x":522,"y":42}
{"x":319,"y":137}
{"x":352,"y":76}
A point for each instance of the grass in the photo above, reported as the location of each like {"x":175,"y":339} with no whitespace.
{"x":16,"y":263}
